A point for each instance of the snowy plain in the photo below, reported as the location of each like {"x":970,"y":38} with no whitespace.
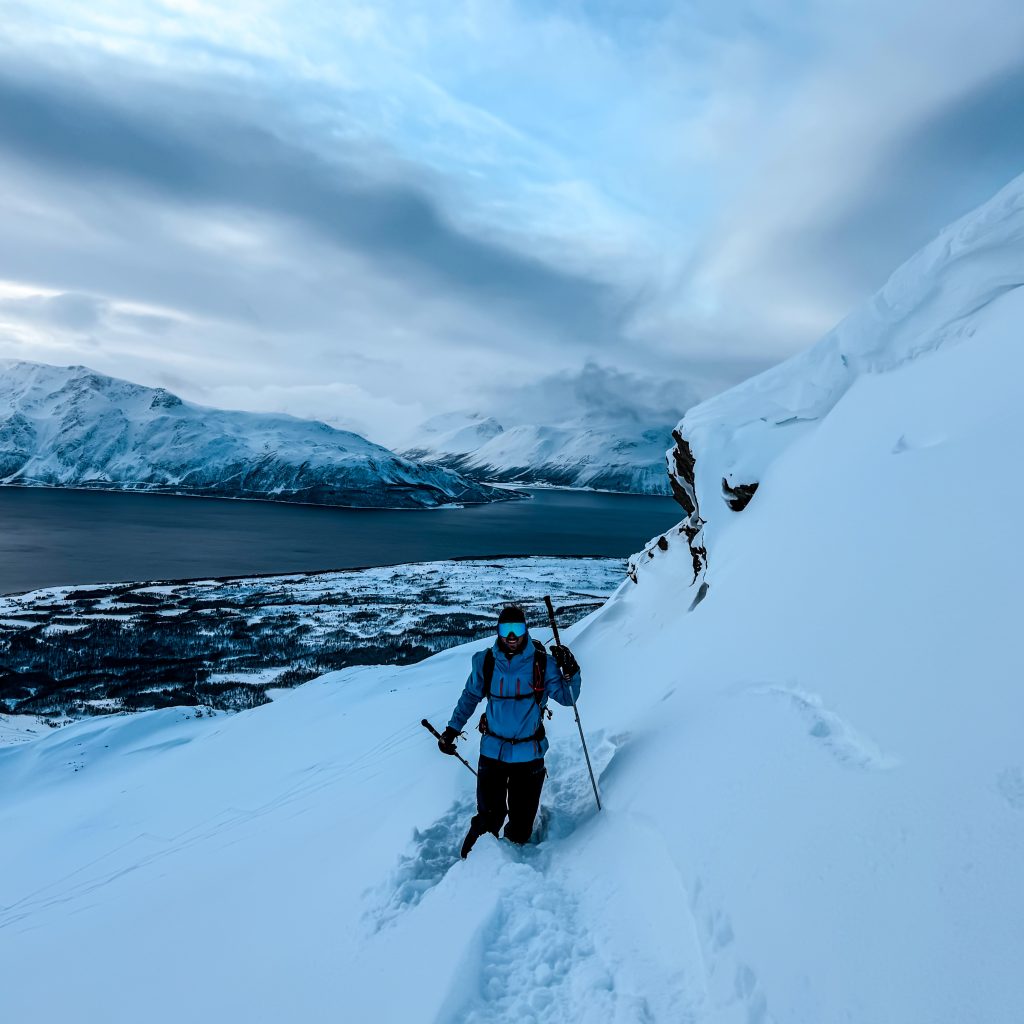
{"x":813,"y":783}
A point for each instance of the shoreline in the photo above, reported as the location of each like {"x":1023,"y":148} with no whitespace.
{"x":146,"y":491}
{"x":304,"y":573}
{"x":520,"y":488}
{"x":58,"y":537}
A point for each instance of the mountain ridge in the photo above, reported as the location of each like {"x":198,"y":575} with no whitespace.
{"x":618,"y":457}
{"x":74,"y":427}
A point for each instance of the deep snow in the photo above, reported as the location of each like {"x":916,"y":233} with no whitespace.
{"x":813,"y":783}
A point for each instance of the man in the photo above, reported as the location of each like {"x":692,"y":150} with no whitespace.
{"x":517,"y":676}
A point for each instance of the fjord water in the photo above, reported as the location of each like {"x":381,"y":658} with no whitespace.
{"x":59,"y":537}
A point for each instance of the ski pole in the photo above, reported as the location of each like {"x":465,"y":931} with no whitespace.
{"x":576,"y":711}
{"x":427,"y":725}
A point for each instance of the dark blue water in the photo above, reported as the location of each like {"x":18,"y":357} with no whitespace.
{"x":56,"y":537}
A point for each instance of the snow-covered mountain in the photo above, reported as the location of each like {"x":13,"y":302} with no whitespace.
{"x":813,"y":783}
{"x":72,"y":427}
{"x":614,"y":457}
{"x":456,"y":433}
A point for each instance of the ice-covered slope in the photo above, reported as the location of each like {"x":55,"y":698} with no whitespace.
{"x":813,"y":783}
{"x":72,"y":427}
{"x":608,"y":457}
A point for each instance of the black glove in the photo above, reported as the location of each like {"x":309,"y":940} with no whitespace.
{"x":565,"y":661}
{"x":446,"y":744}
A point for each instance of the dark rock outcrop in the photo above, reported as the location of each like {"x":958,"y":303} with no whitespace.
{"x":691,"y":529}
{"x":681,"y":464}
{"x":17,"y":440}
{"x":737,"y":496}
{"x":680,"y":473}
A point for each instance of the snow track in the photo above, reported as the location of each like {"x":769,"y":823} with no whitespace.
{"x":435,"y":849}
{"x":543,"y":952}
{"x":546,"y":949}
{"x":537,"y":961}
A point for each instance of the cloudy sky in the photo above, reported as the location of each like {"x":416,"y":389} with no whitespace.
{"x":374,"y":212}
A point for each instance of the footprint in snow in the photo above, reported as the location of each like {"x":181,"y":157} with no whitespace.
{"x":435,"y":849}
{"x":538,"y":962}
{"x":732,"y":990}
{"x":836,"y":735}
{"x":1010,"y":785}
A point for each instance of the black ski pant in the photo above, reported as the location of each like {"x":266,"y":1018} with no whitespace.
{"x":505,"y":790}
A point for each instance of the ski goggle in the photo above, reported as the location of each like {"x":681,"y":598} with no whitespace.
{"x":512,"y":629}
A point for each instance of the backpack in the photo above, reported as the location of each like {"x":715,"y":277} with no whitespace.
{"x":536,"y":691}
{"x":540,"y":667}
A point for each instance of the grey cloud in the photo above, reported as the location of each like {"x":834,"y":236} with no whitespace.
{"x":175,"y":382}
{"x":67,"y":311}
{"x":599,"y":395}
{"x":199,"y":154}
{"x":145,"y":323}
{"x":75,"y":312}
{"x":944,"y":168}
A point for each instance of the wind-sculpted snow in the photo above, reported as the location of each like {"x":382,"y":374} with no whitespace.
{"x":935,"y":299}
{"x":72,"y":427}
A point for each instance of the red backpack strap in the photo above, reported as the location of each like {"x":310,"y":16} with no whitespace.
{"x":540,"y":669}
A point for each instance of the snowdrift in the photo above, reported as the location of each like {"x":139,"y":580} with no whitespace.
{"x":934,"y":299}
{"x":814,"y":782}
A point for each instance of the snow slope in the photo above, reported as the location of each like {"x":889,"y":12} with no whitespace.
{"x":456,"y":433}
{"x":624,"y":456}
{"x":937,"y":298}
{"x":72,"y":427}
{"x":22,"y":728}
{"x":813,"y":783}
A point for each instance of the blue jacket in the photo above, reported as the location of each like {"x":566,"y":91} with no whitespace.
{"x":506,"y":716}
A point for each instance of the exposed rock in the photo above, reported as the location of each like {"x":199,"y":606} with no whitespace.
{"x":17,"y":440}
{"x":680,"y":473}
{"x":164,"y":400}
{"x":681,"y":463}
{"x":691,"y":528}
{"x":738,"y":496}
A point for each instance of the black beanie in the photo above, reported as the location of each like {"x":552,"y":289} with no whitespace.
{"x":512,"y":613}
